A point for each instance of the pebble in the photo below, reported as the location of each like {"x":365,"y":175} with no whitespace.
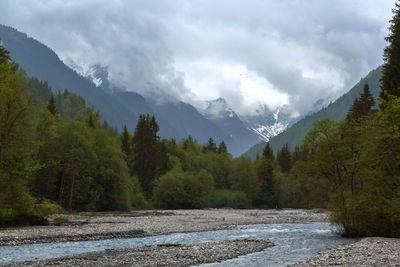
{"x":164,"y":255}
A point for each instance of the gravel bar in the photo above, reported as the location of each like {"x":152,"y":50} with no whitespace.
{"x":161,"y":255}
{"x":96,"y":226}
{"x":372,"y":251}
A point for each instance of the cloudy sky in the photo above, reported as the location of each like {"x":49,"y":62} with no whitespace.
{"x":251,"y":52}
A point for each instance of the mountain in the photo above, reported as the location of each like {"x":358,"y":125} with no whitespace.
{"x":219,"y":112}
{"x":267,"y":123}
{"x":176,"y":119}
{"x":336,"y":110}
{"x":40,"y":61}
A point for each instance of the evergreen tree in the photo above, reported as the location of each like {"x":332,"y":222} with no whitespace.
{"x":4,"y":55}
{"x":90,"y":121}
{"x":149,"y":155}
{"x":390,"y":82}
{"x":268,"y":152}
{"x":367,"y":100}
{"x":125,"y":141}
{"x":284,"y":159}
{"x":211,"y":146}
{"x":222,"y":148}
{"x":362,"y":106}
{"x":355,"y":112}
{"x":51,"y":106}
{"x":265,"y":173}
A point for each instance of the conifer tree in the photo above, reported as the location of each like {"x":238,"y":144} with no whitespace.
{"x":284,"y":158}
{"x":149,"y":154}
{"x":355,"y":111}
{"x":90,"y":121}
{"x":222,"y":148}
{"x":362,"y":106}
{"x":125,"y":141}
{"x":390,"y":82}
{"x":211,"y":146}
{"x":51,"y":106}
{"x":4,"y":55}
{"x":367,"y":100}
{"x":268,"y":153}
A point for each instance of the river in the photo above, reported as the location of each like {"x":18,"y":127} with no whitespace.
{"x":293,"y":243}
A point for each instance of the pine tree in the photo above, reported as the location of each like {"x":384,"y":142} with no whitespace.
{"x":125,"y":141}
{"x":51,"y":106}
{"x":4,"y":55}
{"x":211,"y":146}
{"x":268,"y":153}
{"x":367,"y":100}
{"x":390,"y":82}
{"x":222,"y":148}
{"x":265,"y":174}
{"x":355,"y":112}
{"x":362,"y":106}
{"x":284,"y":158}
{"x":150,"y":158}
{"x":91,"y":122}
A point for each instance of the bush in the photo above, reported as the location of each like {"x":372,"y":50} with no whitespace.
{"x":228,"y":198}
{"x":45,"y":208}
{"x":169,"y":191}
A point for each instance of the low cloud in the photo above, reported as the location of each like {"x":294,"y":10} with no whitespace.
{"x":248,"y":52}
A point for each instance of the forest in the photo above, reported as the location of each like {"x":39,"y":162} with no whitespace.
{"x":57,"y":154}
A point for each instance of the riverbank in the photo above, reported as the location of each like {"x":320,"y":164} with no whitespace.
{"x":97,"y":226}
{"x":373,"y":251}
{"x":161,"y":255}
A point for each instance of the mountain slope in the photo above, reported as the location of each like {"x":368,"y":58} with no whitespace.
{"x":335,"y":111}
{"x":268,"y":123}
{"x":40,"y":61}
{"x":225,"y":117}
{"x":178,"y":120}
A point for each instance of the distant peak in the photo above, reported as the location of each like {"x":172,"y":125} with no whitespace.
{"x":218,"y":108}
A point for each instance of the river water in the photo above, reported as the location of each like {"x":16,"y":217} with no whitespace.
{"x":293,"y":242}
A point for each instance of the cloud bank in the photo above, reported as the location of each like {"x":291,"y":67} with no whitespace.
{"x":248,"y":52}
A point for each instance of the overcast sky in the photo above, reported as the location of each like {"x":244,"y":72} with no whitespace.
{"x":251,"y":52}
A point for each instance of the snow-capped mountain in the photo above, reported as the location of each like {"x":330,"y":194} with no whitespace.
{"x":267,"y":123}
{"x":251,"y":128}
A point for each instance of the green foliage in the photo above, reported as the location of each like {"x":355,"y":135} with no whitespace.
{"x":268,"y":192}
{"x":244,"y":179}
{"x":51,"y":106}
{"x":268,"y":153}
{"x":149,"y":154}
{"x":229,"y":199}
{"x":211,"y":146}
{"x":126,"y":141}
{"x":390,"y":82}
{"x":169,"y":191}
{"x":16,"y":129}
{"x":362,"y":106}
{"x":46,"y":208}
{"x":4,"y":55}
{"x":222,"y":148}
{"x":284,"y":158}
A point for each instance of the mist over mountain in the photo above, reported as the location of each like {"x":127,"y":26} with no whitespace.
{"x":119,"y":107}
{"x":336,"y":110}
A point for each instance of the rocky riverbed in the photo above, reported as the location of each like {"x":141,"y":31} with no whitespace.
{"x":96,"y":226}
{"x":372,"y":251}
{"x":162,"y":255}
